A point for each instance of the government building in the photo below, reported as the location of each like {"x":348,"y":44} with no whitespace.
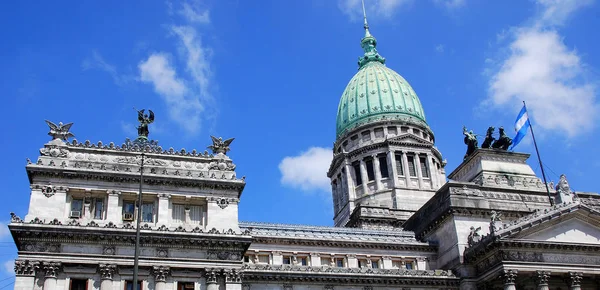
{"x":400,"y":220}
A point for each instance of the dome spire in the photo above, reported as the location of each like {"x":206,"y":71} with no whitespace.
{"x":368,"y":43}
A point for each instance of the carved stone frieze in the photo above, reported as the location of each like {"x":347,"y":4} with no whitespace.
{"x":40,"y":247}
{"x":160,"y":273}
{"x":26,"y":267}
{"x":162,"y":252}
{"x":288,"y":287}
{"x":55,"y":151}
{"x":107,"y":271}
{"x":223,"y":255}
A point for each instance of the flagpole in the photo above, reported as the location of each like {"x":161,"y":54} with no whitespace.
{"x":539,"y":158}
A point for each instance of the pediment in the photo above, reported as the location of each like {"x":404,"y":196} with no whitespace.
{"x":581,"y":225}
{"x":409,"y":138}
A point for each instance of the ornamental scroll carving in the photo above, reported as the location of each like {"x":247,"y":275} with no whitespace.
{"x":107,"y":271}
{"x":509,"y":276}
{"x":51,"y":269}
{"x":212,"y":275}
{"x":26,"y":267}
{"x":232,"y":276}
{"x":160,"y":273}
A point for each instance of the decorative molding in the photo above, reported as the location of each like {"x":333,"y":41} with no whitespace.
{"x":51,"y":269}
{"x":509,"y":276}
{"x":26,"y":267}
{"x":162,"y":252}
{"x":574,"y":279}
{"x":541,"y":277}
{"x":107,"y":271}
{"x":212,"y":275}
{"x":232,"y":276}
{"x":160,"y":273}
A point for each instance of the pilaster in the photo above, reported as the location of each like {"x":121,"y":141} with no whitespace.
{"x":509,"y":276}
{"x":25,"y":272}
{"x":163,"y":209}
{"x":160,"y":276}
{"x":417,"y":164}
{"x":212,"y":279}
{"x":364,"y":176}
{"x":233,"y":279}
{"x":391,"y":159}
{"x":406,"y":171}
{"x":51,"y":271}
{"x":574,"y":280}
{"x":377,"y":171}
{"x":107,"y":272}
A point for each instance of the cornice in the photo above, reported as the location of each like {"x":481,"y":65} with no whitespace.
{"x":294,"y":273}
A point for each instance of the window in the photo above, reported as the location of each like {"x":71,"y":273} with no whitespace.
{"x":412,"y":170}
{"x":303,"y":261}
{"x":78,"y":284}
{"x":375,"y":264}
{"x":399,"y":167}
{"x":378,"y":132}
{"x":366,"y":136}
{"x":370,"y":172}
{"x":325,"y":261}
{"x":404,"y":129}
{"x":128,"y":210}
{"x":185,"y":285}
{"x":76,"y":208}
{"x":195,"y":214}
{"x":287,"y":260}
{"x":361,"y":263}
{"x":129,"y":285}
{"x":263,"y":259}
{"x":383,"y":167}
{"x":392,"y":131}
{"x":178,"y":213}
{"x":409,"y":265}
{"x":424,"y":168}
{"x":396,"y":264}
{"x":246,"y":259}
{"x":339,"y":262}
{"x":99,"y":209}
{"x":357,"y":175}
{"x":148,"y":212}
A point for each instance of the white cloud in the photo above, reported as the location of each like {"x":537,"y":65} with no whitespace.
{"x":451,"y":4}
{"x":184,"y":108}
{"x":9,"y":267}
{"x":307,"y":171}
{"x":192,"y":13}
{"x":556,"y":12}
{"x":383,"y":8}
{"x":439,"y":48}
{"x":541,"y":70}
{"x":98,"y":62}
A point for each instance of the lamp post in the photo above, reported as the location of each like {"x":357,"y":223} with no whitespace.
{"x":136,"y":256}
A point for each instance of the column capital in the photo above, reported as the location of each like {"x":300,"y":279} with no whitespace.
{"x":541,"y":277}
{"x":51,"y":269}
{"x":164,"y":195}
{"x":160,"y":273}
{"x":574,"y":279}
{"x":114,"y":192}
{"x":107,"y":271}
{"x":26,"y":267}
{"x":232,"y":276}
{"x":212,"y":275}
{"x":509,"y":276}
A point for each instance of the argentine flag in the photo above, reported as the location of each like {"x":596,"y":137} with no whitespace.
{"x":521,"y":126}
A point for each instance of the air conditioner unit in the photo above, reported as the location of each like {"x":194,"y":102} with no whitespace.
{"x":128,"y":216}
{"x":75,"y":214}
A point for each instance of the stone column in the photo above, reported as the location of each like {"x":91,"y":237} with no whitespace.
{"x":574,"y":280}
{"x":106,"y":276}
{"x":163,"y":209}
{"x":432,"y":172}
{"x":25,"y":271}
{"x":417,"y":163}
{"x":391,"y":159}
{"x":376,"y":169}
{"x":51,"y":270}
{"x":212,"y":279}
{"x":348,"y":181}
{"x":233,"y":279}
{"x":364,"y":176}
{"x":541,"y":279}
{"x":113,"y":210}
{"x":160,"y":276}
{"x":406,"y":172}
{"x":509,"y":277}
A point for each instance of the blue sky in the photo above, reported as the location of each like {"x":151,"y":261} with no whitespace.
{"x":270,"y":74}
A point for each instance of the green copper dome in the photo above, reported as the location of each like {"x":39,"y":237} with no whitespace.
{"x":376,"y":93}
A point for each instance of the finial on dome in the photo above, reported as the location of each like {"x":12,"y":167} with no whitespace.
{"x":368,"y":44}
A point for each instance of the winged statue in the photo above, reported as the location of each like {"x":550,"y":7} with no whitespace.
{"x":220,"y":146}
{"x":60,"y":131}
{"x":144,"y":120}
